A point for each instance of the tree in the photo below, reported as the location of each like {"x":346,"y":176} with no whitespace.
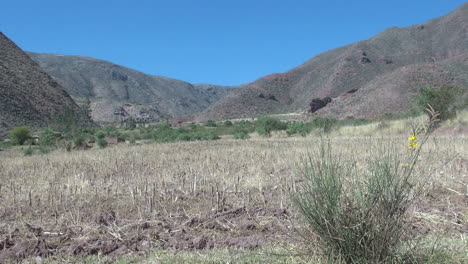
{"x":19,"y":135}
{"x":265,"y":125}
{"x":442,"y":100}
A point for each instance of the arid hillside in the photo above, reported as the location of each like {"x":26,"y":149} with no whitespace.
{"x":364,"y":79}
{"x":28,"y":95}
{"x":117,"y":93}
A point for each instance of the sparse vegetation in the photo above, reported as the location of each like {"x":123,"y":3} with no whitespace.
{"x":267,"y":124}
{"x":102,"y":143}
{"x":299,"y":128}
{"x":324,"y":124}
{"x":66,"y":121}
{"x":19,"y":135}
{"x":130,"y":124}
{"x":28,"y":151}
{"x":210,"y":123}
{"x":441,"y":100}
{"x":48,"y":138}
{"x":164,"y":133}
{"x":241,"y":134}
{"x":79,"y":140}
{"x":100,"y":134}
{"x":132,"y":139}
{"x":236,"y":178}
{"x":211,"y":187}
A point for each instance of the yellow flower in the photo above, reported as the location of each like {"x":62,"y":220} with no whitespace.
{"x":405,"y":165}
{"x":412,"y":144}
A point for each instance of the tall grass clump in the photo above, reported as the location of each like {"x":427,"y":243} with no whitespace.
{"x":357,"y":210}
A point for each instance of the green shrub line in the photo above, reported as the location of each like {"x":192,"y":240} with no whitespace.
{"x":164,"y":133}
{"x":443,"y":100}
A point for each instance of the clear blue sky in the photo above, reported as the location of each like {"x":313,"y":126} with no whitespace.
{"x":206,"y":41}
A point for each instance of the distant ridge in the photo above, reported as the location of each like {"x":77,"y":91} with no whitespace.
{"x":28,"y":95}
{"x":383,"y":73}
{"x":118,"y":93}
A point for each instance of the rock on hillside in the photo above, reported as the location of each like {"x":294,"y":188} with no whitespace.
{"x":117,"y":93}
{"x":384,"y":71}
{"x":28,"y":95}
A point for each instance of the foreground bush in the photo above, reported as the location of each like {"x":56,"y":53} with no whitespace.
{"x":359,"y":215}
{"x":19,"y":135}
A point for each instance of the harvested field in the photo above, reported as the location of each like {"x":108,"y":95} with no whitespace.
{"x":192,"y":196}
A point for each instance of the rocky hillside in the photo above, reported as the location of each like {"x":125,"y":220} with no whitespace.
{"x":117,"y":93}
{"x":28,"y":95}
{"x":364,"y":79}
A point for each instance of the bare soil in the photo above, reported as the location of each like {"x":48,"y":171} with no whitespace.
{"x":245,"y":228}
{"x":200,"y":196}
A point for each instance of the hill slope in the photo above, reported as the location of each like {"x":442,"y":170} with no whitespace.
{"x":28,"y":95}
{"x":384,"y":70}
{"x":117,"y":92}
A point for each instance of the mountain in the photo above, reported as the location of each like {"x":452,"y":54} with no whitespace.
{"x":365,"y":79}
{"x":116,"y":93}
{"x":28,"y":95}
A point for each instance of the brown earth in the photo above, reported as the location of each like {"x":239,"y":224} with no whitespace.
{"x":114,"y":235}
{"x":248,"y":228}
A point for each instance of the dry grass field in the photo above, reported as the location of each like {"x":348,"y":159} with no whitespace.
{"x":224,"y":201}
